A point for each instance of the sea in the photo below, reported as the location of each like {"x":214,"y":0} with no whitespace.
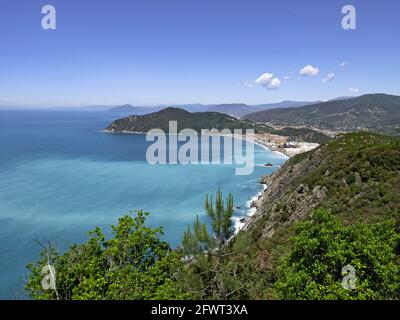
{"x":61,"y":176}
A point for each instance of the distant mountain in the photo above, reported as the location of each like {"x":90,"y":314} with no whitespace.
{"x":234,"y":109}
{"x":372,"y":112}
{"x":195,"y":107}
{"x":240,"y":109}
{"x":286,"y":104}
{"x":128,"y":109}
{"x":123,"y":108}
{"x":340,"y":98}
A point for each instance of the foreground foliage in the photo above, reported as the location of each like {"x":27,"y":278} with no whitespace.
{"x":134,"y":264}
{"x":322,"y":247}
{"x":208,"y":274}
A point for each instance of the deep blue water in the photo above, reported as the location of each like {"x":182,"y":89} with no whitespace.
{"x":60,"y":177}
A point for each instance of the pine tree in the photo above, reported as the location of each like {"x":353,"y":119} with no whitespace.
{"x":207,"y":275}
{"x":221,"y":217}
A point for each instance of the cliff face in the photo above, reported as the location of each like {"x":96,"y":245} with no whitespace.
{"x":356,"y":176}
{"x":281,"y":204}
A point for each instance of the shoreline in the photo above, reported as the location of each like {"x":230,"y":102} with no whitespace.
{"x":252,"y":204}
{"x":256,"y":142}
{"x":240,"y":221}
{"x":266,"y":147}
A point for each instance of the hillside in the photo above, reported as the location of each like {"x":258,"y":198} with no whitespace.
{"x":373,"y":112}
{"x":241,"y":109}
{"x":234,"y":109}
{"x":286,"y":104}
{"x":303,"y":134}
{"x":206,"y":120}
{"x":185,"y":119}
{"x":356,"y":175}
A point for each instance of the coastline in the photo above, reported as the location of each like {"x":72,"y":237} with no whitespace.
{"x":256,"y":142}
{"x":265,"y":146}
{"x":253,"y":203}
{"x":240,"y":221}
{"x":121,"y":132}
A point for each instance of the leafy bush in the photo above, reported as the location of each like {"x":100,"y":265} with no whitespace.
{"x":322,"y":247}
{"x":134,"y":264}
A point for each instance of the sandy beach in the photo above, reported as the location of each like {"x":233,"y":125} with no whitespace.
{"x":280,"y":144}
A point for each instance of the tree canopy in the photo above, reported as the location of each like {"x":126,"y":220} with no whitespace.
{"x":133,"y":264}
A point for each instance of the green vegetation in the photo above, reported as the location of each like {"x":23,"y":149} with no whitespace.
{"x":335,"y":206}
{"x":208,"y":275}
{"x":206,"y":120}
{"x":322,"y":246}
{"x":196,"y":121}
{"x":360,"y":172}
{"x":134,"y":264}
{"x":373,"y":112}
{"x":303,"y":134}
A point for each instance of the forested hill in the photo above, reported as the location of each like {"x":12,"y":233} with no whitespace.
{"x":334,"y":206}
{"x":206,"y":120}
{"x":196,"y":121}
{"x":356,"y":176}
{"x":373,"y":112}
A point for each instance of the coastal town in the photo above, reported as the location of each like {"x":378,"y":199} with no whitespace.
{"x":281,"y":144}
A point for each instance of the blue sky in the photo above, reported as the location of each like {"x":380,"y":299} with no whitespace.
{"x":152,"y":52}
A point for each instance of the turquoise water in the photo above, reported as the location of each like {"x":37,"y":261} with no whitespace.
{"x":60,"y":177}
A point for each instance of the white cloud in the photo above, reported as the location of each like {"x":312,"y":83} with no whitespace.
{"x":354,"y":90}
{"x":344,"y":64}
{"x":274,"y":84}
{"x":309,"y":71}
{"x":247,"y":84}
{"x":264,"y":79}
{"x":329,"y":78}
{"x":286,"y":78}
{"x":268,"y":81}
